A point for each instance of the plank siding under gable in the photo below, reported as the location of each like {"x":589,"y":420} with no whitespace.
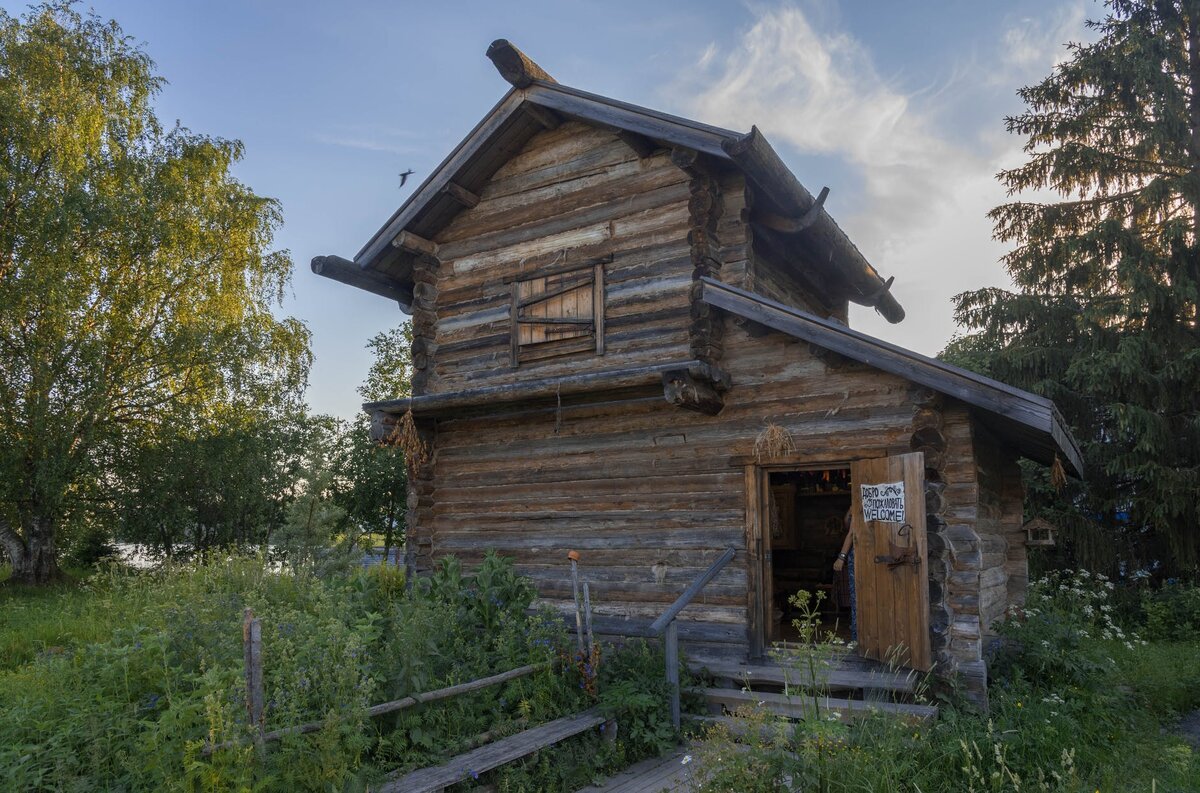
{"x":576,"y":190}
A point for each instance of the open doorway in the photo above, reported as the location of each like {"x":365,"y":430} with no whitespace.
{"x":806,"y":522}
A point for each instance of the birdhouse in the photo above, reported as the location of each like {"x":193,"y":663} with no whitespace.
{"x":1039,"y":532}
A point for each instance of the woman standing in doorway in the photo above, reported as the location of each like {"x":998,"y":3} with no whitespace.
{"x":845,"y":558}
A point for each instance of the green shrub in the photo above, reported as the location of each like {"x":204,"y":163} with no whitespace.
{"x":633,"y":690}
{"x":1054,"y":638}
{"x":1077,"y":704}
{"x":1172,"y":613}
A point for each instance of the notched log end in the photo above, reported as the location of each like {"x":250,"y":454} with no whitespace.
{"x":682,"y":389}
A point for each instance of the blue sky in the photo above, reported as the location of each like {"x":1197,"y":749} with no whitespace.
{"x":897,"y":107}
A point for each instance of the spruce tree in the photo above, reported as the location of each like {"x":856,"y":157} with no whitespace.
{"x":1105,"y":319}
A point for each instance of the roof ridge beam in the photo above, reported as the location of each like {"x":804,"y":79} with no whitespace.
{"x":515,"y":66}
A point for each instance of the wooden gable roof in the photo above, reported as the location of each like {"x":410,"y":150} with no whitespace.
{"x":1029,"y":423}
{"x":536,"y":102}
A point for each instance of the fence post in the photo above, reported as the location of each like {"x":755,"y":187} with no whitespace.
{"x":587,"y":625}
{"x":252,"y":647}
{"x":574,"y":557}
{"x":672,"y":648}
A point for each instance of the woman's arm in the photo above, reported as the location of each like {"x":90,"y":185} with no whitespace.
{"x":846,"y":543}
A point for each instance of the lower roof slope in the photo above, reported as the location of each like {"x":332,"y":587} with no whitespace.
{"x":1029,"y":423}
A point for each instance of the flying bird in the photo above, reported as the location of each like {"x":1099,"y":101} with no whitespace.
{"x":404,"y":176}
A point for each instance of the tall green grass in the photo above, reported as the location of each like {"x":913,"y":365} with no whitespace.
{"x":117,"y":683}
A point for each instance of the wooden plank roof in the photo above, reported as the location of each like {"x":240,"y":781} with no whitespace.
{"x":383,"y":268}
{"x":1029,"y":423}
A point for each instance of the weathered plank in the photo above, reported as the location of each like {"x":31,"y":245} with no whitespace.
{"x":494,"y":755}
{"x":832,"y":677}
{"x":802,"y":706}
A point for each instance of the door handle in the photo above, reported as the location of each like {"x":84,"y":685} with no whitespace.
{"x":899,"y":556}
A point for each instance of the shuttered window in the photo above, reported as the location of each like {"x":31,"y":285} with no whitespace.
{"x":558,"y":314}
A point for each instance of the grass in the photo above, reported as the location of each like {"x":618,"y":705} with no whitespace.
{"x":118,"y":681}
{"x":37,"y":620}
{"x":113,"y":682}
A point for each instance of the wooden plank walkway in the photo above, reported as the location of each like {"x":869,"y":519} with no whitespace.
{"x":493,"y":755}
{"x":664,"y":774}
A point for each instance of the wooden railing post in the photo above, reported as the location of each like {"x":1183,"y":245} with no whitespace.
{"x":673,"y":669}
{"x":252,"y":647}
{"x":667,"y":626}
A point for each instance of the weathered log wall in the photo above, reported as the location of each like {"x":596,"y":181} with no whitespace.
{"x":977,"y":562}
{"x":647,"y":492}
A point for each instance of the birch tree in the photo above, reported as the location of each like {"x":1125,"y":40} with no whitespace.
{"x":137,"y":276}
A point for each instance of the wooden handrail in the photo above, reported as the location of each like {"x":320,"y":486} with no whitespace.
{"x":689,"y":594}
{"x":666,"y":624}
{"x":390,"y":707}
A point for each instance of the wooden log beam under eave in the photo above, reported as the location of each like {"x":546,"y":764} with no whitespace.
{"x":349,"y":273}
{"x":414,"y":244}
{"x":683,"y":389}
{"x":461,"y":194}
{"x":642,"y":146}
{"x":754,"y":155}
{"x":542,"y":115}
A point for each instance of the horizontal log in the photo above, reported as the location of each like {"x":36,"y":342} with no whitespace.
{"x":432,"y":404}
{"x":683,"y":390}
{"x":461,"y":194}
{"x":544,"y":116}
{"x":412,"y":243}
{"x":349,"y":273}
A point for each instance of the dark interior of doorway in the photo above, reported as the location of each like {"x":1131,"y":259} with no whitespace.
{"x":808,"y":509}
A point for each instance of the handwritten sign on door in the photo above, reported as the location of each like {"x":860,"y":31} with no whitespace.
{"x":883,"y":502}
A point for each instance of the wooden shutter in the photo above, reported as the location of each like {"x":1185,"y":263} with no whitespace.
{"x":891,"y":560}
{"x":558,"y":314}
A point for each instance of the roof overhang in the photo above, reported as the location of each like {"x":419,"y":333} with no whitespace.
{"x":788,"y":208}
{"x":1027,"y":422}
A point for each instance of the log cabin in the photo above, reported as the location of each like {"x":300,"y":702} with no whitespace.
{"x":630,"y":339}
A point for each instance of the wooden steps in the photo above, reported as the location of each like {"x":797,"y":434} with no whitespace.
{"x":800,"y":707}
{"x":485,"y":758}
{"x":840,"y":678}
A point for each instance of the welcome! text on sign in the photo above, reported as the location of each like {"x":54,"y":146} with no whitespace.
{"x":883,"y":502}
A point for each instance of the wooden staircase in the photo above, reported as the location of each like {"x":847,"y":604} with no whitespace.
{"x":849,"y":686}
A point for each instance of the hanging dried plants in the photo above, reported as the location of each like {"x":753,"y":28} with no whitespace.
{"x":773,"y":441}
{"x":406,"y":436}
{"x":1058,"y":475}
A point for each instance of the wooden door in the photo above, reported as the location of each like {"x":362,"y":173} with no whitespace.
{"x":890,"y":559}
{"x":758,"y":551}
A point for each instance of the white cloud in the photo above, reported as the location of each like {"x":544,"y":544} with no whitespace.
{"x":923,"y":189}
{"x":1030,"y":44}
{"x":370,"y":138}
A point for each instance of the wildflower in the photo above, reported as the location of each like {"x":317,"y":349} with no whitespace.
{"x":687,"y":758}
